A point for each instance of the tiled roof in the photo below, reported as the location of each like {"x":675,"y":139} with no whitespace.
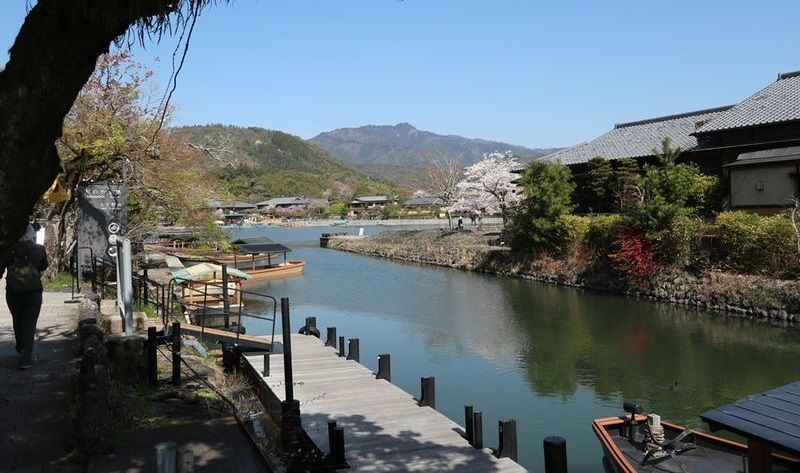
{"x":774,"y":155}
{"x":638,"y":139}
{"x":373,"y":198}
{"x":778,"y":102}
{"x":283,"y":201}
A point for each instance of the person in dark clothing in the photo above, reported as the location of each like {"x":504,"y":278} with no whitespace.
{"x":24,"y":263}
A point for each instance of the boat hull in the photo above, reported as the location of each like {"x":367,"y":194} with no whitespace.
{"x":288,"y":269}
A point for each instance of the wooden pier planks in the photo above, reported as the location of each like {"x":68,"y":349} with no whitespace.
{"x":384,"y":428}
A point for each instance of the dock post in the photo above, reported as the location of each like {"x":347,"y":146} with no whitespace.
{"x":226,"y":303}
{"x":477,"y":430}
{"x":469,"y":422}
{"x":428,"y":395}
{"x":384,"y":367}
{"x":266,"y":365}
{"x":331,"y":341}
{"x":353,"y":353}
{"x":341,"y":346}
{"x":176,"y":353}
{"x":331,"y":428}
{"x":337,"y":447}
{"x":152,"y":359}
{"x":555,"y":455}
{"x":290,"y":408}
{"x":507,"y":446}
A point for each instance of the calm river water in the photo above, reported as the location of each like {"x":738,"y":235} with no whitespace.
{"x":552,"y":358}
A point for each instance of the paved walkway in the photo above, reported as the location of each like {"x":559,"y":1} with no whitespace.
{"x":34,"y":404}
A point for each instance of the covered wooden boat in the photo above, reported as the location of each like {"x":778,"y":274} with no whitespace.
{"x":637,"y":443}
{"x":259,"y":257}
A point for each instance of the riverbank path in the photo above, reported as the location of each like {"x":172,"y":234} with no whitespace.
{"x":34,"y":425}
{"x":384,"y":427}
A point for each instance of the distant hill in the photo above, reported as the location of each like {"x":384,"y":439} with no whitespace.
{"x":257,"y":164}
{"x":383,"y":150}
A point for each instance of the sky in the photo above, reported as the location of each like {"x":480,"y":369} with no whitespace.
{"x":527,"y":72}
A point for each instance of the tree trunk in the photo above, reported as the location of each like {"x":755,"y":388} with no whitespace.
{"x":52,"y":57}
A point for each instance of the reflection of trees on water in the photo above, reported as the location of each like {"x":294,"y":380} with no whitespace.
{"x":631,"y":349}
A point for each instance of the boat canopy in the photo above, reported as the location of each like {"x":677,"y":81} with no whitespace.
{"x":199,"y":272}
{"x":257,"y":248}
{"x":250,"y":241}
{"x":772,"y":417}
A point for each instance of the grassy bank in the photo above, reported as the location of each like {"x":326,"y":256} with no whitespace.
{"x":756,"y":296}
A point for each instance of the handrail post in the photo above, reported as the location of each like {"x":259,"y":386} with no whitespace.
{"x":144,"y":287}
{"x":341,"y":347}
{"x":176,"y":353}
{"x":226,"y":305}
{"x":152,"y":359}
{"x":290,"y":408}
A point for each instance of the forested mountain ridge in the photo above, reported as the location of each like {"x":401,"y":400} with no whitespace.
{"x":381,"y":147}
{"x":255,"y":163}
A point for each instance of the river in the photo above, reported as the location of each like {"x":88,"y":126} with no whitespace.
{"x":553,"y":358}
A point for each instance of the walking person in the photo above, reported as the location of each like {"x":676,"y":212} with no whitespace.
{"x":23,"y":264}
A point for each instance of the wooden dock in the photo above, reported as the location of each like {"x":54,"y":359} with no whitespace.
{"x":384,"y":427}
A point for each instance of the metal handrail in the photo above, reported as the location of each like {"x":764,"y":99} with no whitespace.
{"x":201,"y":288}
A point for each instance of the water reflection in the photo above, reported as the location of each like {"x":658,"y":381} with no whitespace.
{"x":553,"y":358}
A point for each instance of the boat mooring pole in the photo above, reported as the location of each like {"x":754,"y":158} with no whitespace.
{"x":555,"y":455}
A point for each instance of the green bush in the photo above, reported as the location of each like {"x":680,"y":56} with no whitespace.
{"x":575,"y":229}
{"x":752,"y":243}
{"x":602,"y":232}
{"x":680,"y":245}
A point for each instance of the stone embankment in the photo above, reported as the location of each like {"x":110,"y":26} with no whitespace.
{"x":758,"y":297}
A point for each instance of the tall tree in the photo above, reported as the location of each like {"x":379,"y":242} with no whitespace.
{"x":53,"y":56}
{"x":601,"y":176}
{"x":439,"y":178}
{"x":537,"y":221}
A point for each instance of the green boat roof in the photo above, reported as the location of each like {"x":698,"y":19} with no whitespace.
{"x":199,"y":271}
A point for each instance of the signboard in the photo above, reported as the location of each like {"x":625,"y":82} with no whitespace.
{"x":102,"y":218}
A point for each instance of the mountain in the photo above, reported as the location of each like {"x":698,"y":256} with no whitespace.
{"x":387,"y":149}
{"x":255,"y":164}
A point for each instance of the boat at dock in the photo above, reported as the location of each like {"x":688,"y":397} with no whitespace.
{"x":259,"y":257}
{"x":634,"y":443}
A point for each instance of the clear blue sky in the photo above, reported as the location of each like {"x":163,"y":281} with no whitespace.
{"x":528,"y":72}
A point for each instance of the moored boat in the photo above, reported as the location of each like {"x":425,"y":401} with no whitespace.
{"x":637,"y":443}
{"x":259,"y":257}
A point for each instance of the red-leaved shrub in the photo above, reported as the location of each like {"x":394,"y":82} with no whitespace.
{"x":633,"y":255}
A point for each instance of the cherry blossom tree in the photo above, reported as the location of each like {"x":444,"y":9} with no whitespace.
{"x":489,"y":187}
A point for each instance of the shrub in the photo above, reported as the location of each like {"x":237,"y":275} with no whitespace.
{"x":671,"y":190}
{"x":755,"y":244}
{"x":601,"y":233}
{"x":575,"y":230}
{"x":633,"y":255}
{"x":680,"y":245}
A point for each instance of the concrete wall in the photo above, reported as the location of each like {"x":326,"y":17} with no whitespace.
{"x":779,"y":187}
